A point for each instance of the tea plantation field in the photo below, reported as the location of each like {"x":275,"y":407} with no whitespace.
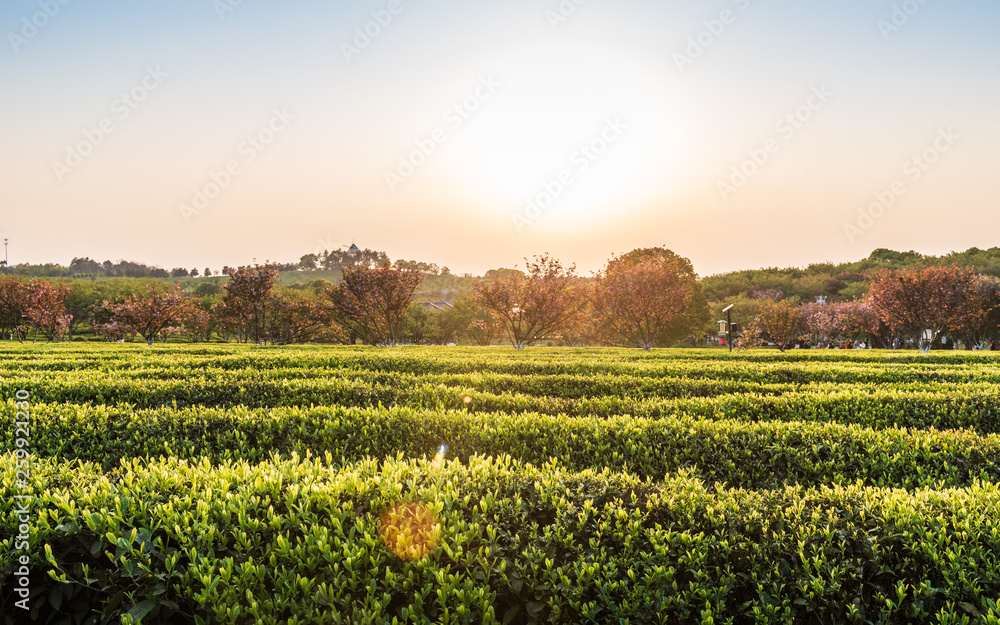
{"x":317,"y":484}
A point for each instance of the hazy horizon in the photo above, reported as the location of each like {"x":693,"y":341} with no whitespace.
{"x":436,"y":130}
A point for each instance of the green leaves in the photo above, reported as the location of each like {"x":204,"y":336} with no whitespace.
{"x":229,"y":485}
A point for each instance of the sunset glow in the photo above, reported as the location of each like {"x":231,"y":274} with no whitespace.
{"x":438,"y":130}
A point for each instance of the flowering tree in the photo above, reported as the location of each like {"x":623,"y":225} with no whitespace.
{"x":38,"y":305}
{"x":778,"y":322}
{"x":584,"y":326}
{"x":198,"y":322}
{"x":249,"y":303}
{"x":938,"y":299}
{"x":531,"y":305}
{"x":858,"y":320}
{"x":371,"y":302}
{"x":45,"y":308}
{"x":112,"y":330}
{"x":147,"y":315}
{"x":988,"y":328}
{"x":301,"y":318}
{"x":469,"y":319}
{"x":13,"y":307}
{"x":822,"y":321}
{"x":839,"y":321}
{"x":642,"y":293}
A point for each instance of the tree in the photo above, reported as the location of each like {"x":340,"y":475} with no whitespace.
{"x":981,"y":334}
{"x":209,"y":289}
{"x":146,"y":315}
{"x":45,"y":308}
{"x":823,"y":321}
{"x":640,"y":295}
{"x":194,"y":272}
{"x":86,"y":302}
{"x":13,"y":307}
{"x":583,"y":327}
{"x":778,"y":322}
{"x":208,"y":272}
{"x":533,"y":305}
{"x":344,"y":259}
{"x":301,"y":317}
{"x":198,"y":321}
{"x":469,"y":319}
{"x":308,"y":262}
{"x":248,"y":304}
{"x":858,"y":319}
{"x":938,"y":299}
{"x":423,"y":325}
{"x":371,"y":302}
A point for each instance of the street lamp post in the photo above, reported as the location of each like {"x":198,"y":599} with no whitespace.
{"x":729,"y":325}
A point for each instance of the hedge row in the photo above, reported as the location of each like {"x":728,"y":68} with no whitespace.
{"x":975,"y":406}
{"x":167,"y":366}
{"x":735,"y":453}
{"x":306,"y":542}
{"x":765,"y":366}
{"x":133,"y":386}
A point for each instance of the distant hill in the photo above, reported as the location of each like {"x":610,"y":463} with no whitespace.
{"x":839,"y":281}
{"x":836,"y":281}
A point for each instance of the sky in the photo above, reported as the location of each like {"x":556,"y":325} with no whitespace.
{"x":474,"y":133}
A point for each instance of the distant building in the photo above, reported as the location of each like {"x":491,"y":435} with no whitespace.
{"x":436,"y":305}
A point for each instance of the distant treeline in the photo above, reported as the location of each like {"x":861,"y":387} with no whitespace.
{"x":843,"y":282}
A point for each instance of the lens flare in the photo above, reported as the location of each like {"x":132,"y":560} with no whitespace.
{"x":439,"y":458}
{"x":410,"y":530}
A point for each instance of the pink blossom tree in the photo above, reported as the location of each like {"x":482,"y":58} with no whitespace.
{"x":371,"y":302}
{"x":249,"y":303}
{"x":778,"y":322}
{"x":45,"y":308}
{"x":146,"y":314}
{"x":13,"y":307}
{"x":934,"y":299}
{"x":641,"y":294}
{"x":198,"y":322}
{"x":531,"y":305}
{"x":302,"y":318}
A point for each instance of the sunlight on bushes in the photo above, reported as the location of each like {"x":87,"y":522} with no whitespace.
{"x":410,"y":530}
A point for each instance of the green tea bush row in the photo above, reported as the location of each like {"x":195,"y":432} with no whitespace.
{"x":120,"y":386}
{"x":562,"y":393}
{"x":298,"y":541}
{"x":760,"y":366}
{"x":731,"y":452}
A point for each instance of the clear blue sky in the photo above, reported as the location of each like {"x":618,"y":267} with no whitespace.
{"x":472,"y":134}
